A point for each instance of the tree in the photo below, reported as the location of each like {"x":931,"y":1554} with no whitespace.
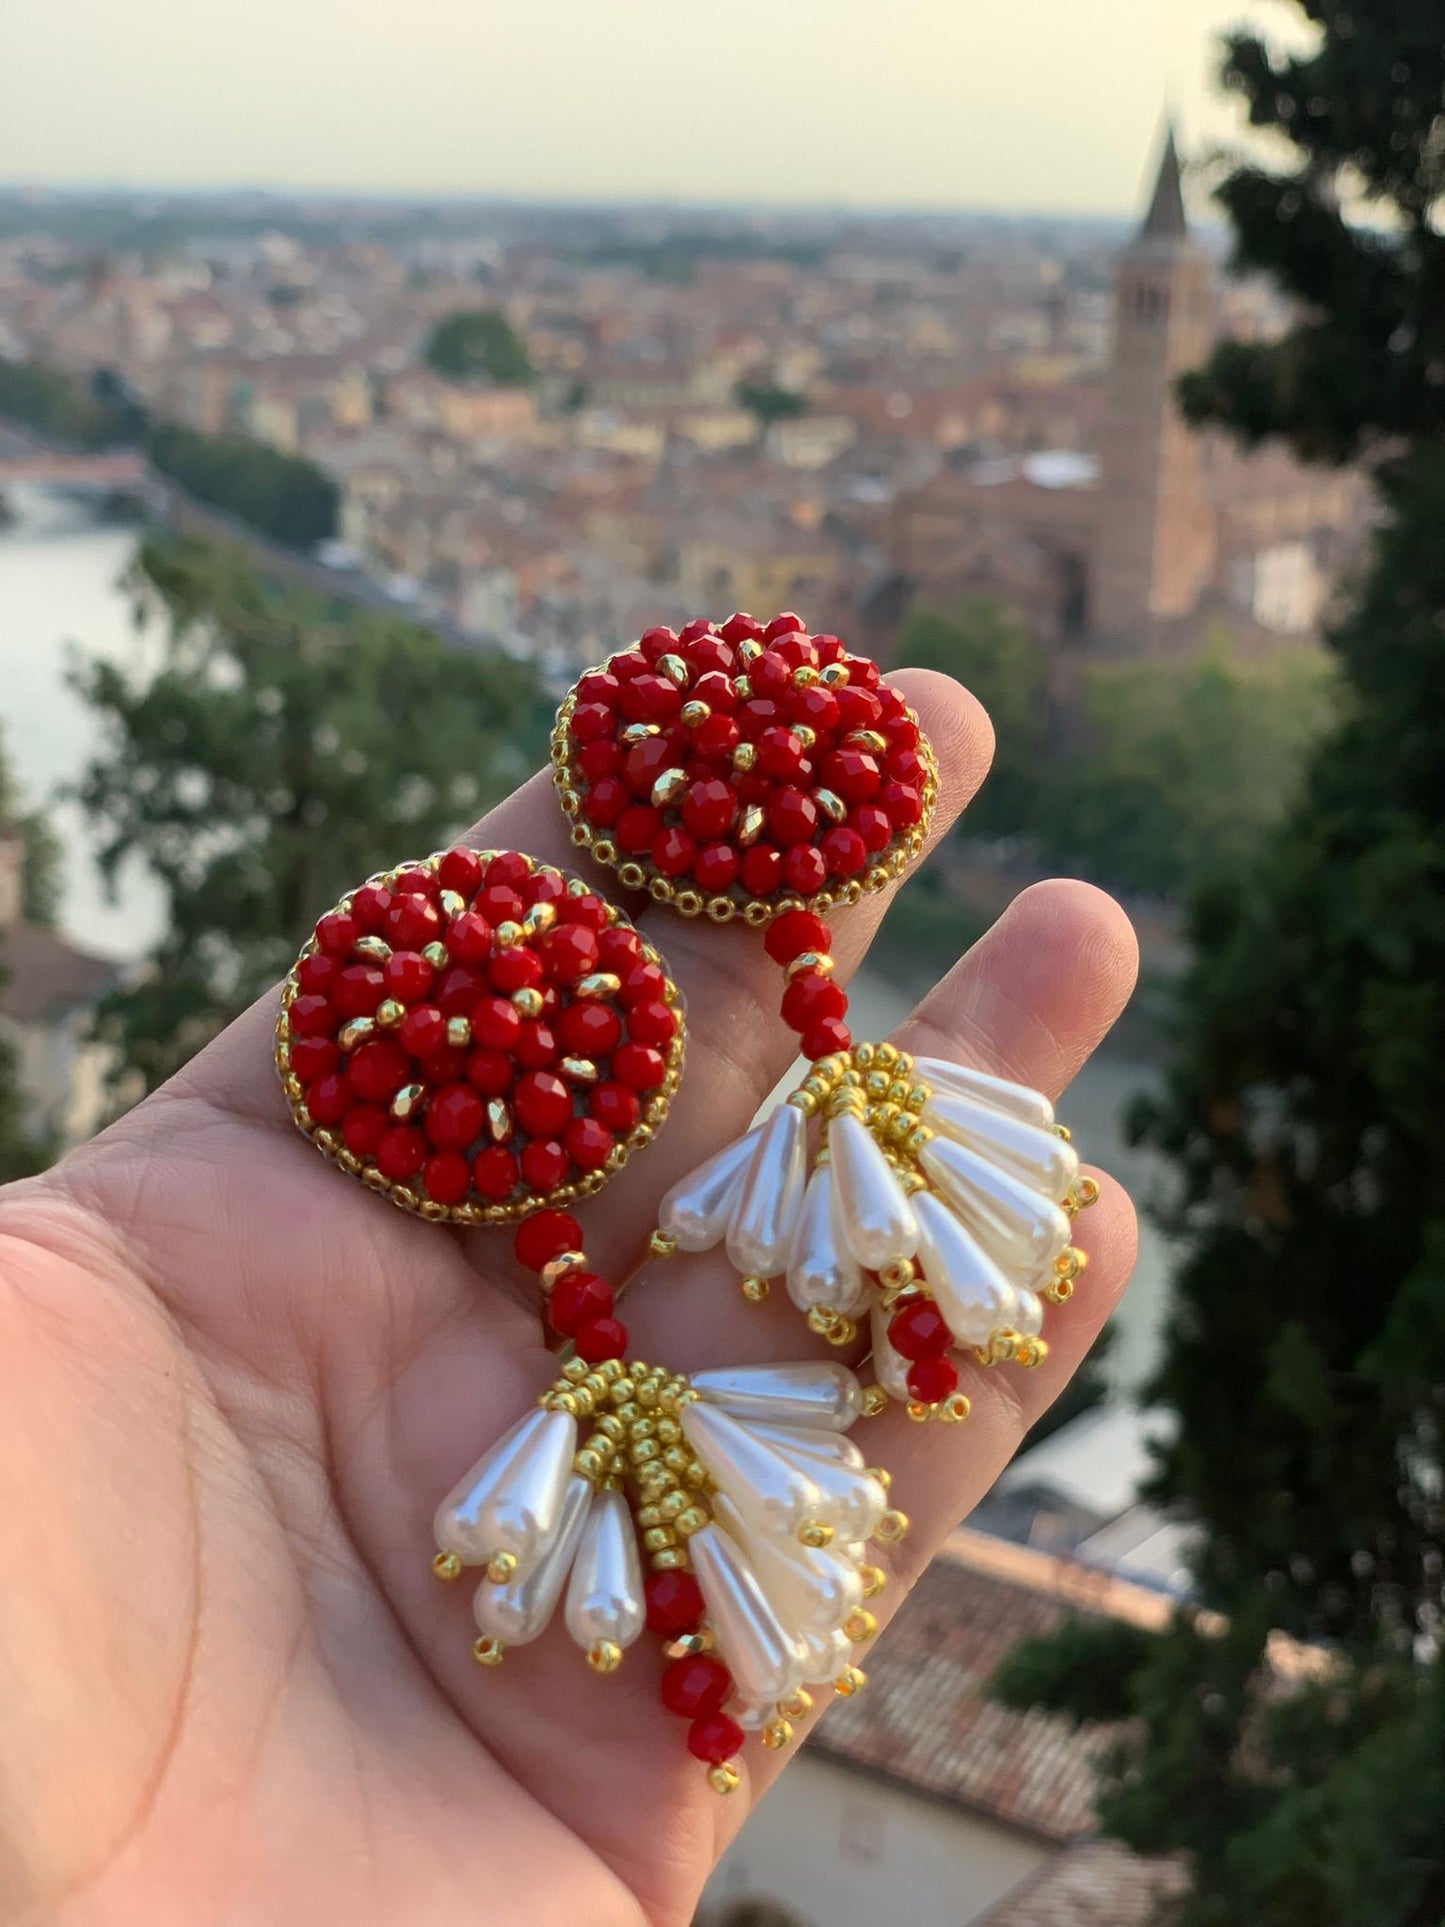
{"x":769,"y":402}
{"x":281,"y":496}
{"x":1306,"y":1359}
{"x":480,"y":344}
{"x":268,"y":753}
{"x":22,"y":1149}
{"x":62,"y":408}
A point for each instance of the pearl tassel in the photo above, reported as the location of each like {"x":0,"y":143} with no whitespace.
{"x":972,"y":1294}
{"x":768,"y":1489}
{"x":604,"y":1597}
{"x":872,"y":1217}
{"x":1022,"y":1231}
{"x":697,"y":1209}
{"x":771,"y":1196}
{"x":1042,"y":1160}
{"x":821,"y":1272}
{"x":808,"y":1589}
{"x":516,"y":1611}
{"x":766,"y":1662}
{"x":1017,"y":1100}
{"x":814,"y":1394}
{"x":512,"y":1497}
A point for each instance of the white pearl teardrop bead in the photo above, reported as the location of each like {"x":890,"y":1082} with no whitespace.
{"x":604,"y":1594}
{"x":827,"y":1655}
{"x":872,"y":1217}
{"x":1032,"y":1107}
{"x":851,"y":1502}
{"x":697,"y":1208}
{"x":771,"y":1196}
{"x":1040,"y":1159}
{"x":763,"y":1658}
{"x":828,"y":1445}
{"x":480,"y":1515}
{"x":769,"y":1490}
{"x":518,"y":1610}
{"x":810,"y":1591}
{"x":815,"y":1393}
{"x":1016,"y":1226}
{"x":890,"y":1368}
{"x":1028,"y":1318}
{"x":820,"y":1270}
{"x":973,"y":1296}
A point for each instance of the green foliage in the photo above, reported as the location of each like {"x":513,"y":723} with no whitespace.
{"x":769,"y":402}
{"x":1080,"y":1672}
{"x":1306,"y":1352}
{"x":59,"y":407}
{"x":265,"y":754}
{"x":480,"y":345}
{"x":281,"y":496}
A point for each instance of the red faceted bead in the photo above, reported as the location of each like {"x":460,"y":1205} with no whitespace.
{"x":785,"y":624}
{"x":695,"y":630}
{"x":642,"y":983}
{"x":544,"y":1236}
{"x":313,"y":1057}
{"x":716,"y":739}
{"x":863,"y":671}
{"x":364,"y":1127}
{"x":907,"y":766}
{"x":708,"y":809}
{"x":829,"y":649}
{"x":359,"y":989}
{"x":577,"y":1298}
{"x":490,"y":1072}
{"x":673,"y":851}
{"x":447,"y":1177}
{"x":715,"y":868}
{"x":858,"y":708}
{"x":494,"y":1173}
{"x":602,"y":1338}
{"x":714,"y":1738}
{"x":423,"y":1031}
{"x":568,"y":951}
{"x":780,"y":754}
{"x":674,"y":1603}
{"x":328,"y":1099}
{"x":628,"y":663}
{"x":932,"y":1379}
{"x":636,"y":828}
{"x":369,"y":906}
{"x":469,"y":938}
{"x":789,"y":935}
{"x":804,"y":868}
{"x":589,"y":910}
{"x":657,"y":642}
{"x":590,"y":722}
{"x":761,"y":870}
{"x":407,"y":976}
{"x":460,"y":870}
{"x":645,"y":762}
{"x":508,"y":870}
{"x":873,"y":825}
{"x":597,"y":686}
{"x":515,"y":968}
{"x":605,"y":803}
{"x":599,"y":759}
{"x":544,"y":886}
{"x":638,"y":1066}
{"x":536,"y":1046}
{"x":710,"y":654}
{"x":412,"y":922}
{"x":588,"y":1030}
{"x":853,"y":773}
{"x":378,"y":1070}
{"x":843,"y":851}
{"x":337,"y":932}
{"x":812,"y":997}
{"x":589,"y":1143}
{"x":830,"y":1035}
{"x":650,"y":699}
{"x":816,"y":706}
{"x":759,"y":714}
{"x":317,"y":974}
{"x":715,"y":688}
{"x":741,"y":627}
{"x":500,"y":903}
{"x":615,"y":1105}
{"x":797,"y":650}
{"x":495,"y":1023}
{"x":401,"y":1153}
{"x":916,"y":1330}
{"x":695,"y":1685}
{"x":903,"y":804}
{"x":792,"y":816}
{"x":454,"y":1116}
{"x":544,"y":1164}
{"x":457,"y":990}
{"x":651,"y":1023}
{"x":311,"y":1017}
{"x":769,"y":675}
{"x":542,"y":1104}
{"x":416,"y":882}
{"x":618,"y":948}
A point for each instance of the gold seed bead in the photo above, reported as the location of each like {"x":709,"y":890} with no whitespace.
{"x":675,"y":1559}
{"x":674,"y":668}
{"x":749,"y":649}
{"x":744,"y":756}
{"x":499,"y":1121}
{"x":669,"y":1431}
{"x":724,"y":1778}
{"x":488,"y":1652}
{"x":437,"y":955}
{"x":880,"y":1475}
{"x":815,"y":1534}
{"x":691,"y":1521}
{"x":899,"y":1275}
{"x":1063,"y":1131}
{"x":508,"y":934}
{"x":408,"y":1101}
{"x":750,"y":825}
{"x":804,"y":676}
{"x":575,"y":1370}
{"x":807,"y":736}
{"x":662,"y":1244}
{"x":638,"y":733}
{"x":868,"y":739}
{"x":539,"y":918}
{"x":374,"y":949}
{"x":834,"y":675}
{"x":670,"y":1505}
{"x":452,"y":905}
{"x":1087,"y":1193}
{"x":605,"y":1656}
{"x":354,"y":1033}
{"x":658,"y":1538}
{"x":831,"y":804}
{"x":919,"y":1413}
{"x":447,"y":1567}
{"x":875,"y":1401}
{"x":755,"y":1290}
{"x":668,"y":787}
{"x":860,"y":1625}
{"x":459,"y":1032}
{"x":689,"y":1644}
{"x":501,"y":1566}
{"x":600,"y":983}
{"x":891,"y":1527}
{"x":874,"y":1580}
{"x":797,"y":1705}
{"x":695,"y":714}
{"x":776,"y":1735}
{"x":955,"y":1408}
{"x":814,"y":962}
{"x":850,"y":1681}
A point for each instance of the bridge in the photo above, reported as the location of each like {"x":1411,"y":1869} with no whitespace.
{"x":54,"y":468}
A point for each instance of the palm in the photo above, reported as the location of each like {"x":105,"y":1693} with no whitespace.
{"x":236,"y":1386}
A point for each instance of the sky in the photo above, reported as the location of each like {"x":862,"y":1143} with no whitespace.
{"x":1012,"y":104}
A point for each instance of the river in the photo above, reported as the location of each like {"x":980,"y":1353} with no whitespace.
{"x":59,"y":590}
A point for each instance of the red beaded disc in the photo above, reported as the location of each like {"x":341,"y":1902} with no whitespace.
{"x":478,"y":1036}
{"x":744,"y":769}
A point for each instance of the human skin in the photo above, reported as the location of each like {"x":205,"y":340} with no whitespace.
{"x":234,"y":1384}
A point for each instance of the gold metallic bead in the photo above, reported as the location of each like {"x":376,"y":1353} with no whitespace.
{"x":662,"y":1244}
{"x":459,"y":1032}
{"x":805,"y":734}
{"x":695,"y":714}
{"x":528,"y":1001}
{"x":374,"y":949}
{"x":874,"y":1580}
{"x":408,"y":1101}
{"x":880,"y":1476}
{"x":605,"y":1656}
{"x":671,"y":1504}
{"x":810,"y":963}
{"x":499,"y":1121}
{"x":743,"y":688}
{"x":955,"y":1408}
{"x":1087,"y":1193}
{"x":1059,"y":1292}
{"x":750,"y":825}
{"x":508,"y":934}
{"x":674,"y":668}
{"x":724,"y":1778}
{"x":356,"y":1032}
{"x":797,"y":1705}
{"x":815,"y":1534}
{"x":539,"y":918}
{"x":599,"y":984}
{"x":755,"y":1290}
{"x":687,"y":1645}
{"x":868,"y":739}
{"x":581,"y":1070}
{"x":675,"y":1559}
{"x":437,"y":955}
{"x":744,"y":756}
{"x":776,"y":1735}
{"x":805,"y":676}
{"x":452,"y":904}
{"x":638,"y":733}
{"x":691,"y":1521}
{"x":1063,"y":1131}
{"x":500,"y":1567}
{"x":488,"y":1652}
{"x":891,"y":1527}
{"x":447,"y":1566}
{"x":575,"y":1370}
{"x":658,"y":1538}
{"x":749,"y":649}
{"x":899,"y":1275}
{"x":860,"y":1625}
{"x":850,"y":1681}
{"x":835,"y":675}
{"x":668,"y":787}
{"x":875,"y":1401}
{"x":831,"y":804}
{"x":918,"y":1412}
{"x":917,"y":1139}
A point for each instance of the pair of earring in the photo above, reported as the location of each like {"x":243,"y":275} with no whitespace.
{"x":484,"y":1039}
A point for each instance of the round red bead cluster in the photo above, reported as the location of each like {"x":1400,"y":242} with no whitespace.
{"x":917,"y":1332}
{"x":745,"y":760}
{"x":814,"y":1003}
{"x":475,"y":1066}
{"x":697,"y":1686}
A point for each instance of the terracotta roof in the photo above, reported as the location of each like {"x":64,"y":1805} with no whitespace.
{"x":1094,"y":1883}
{"x":42,"y":976}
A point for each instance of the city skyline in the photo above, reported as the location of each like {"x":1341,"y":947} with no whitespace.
{"x":1037,"y":110}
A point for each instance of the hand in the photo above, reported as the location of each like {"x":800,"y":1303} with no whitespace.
{"x":234,"y":1385}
